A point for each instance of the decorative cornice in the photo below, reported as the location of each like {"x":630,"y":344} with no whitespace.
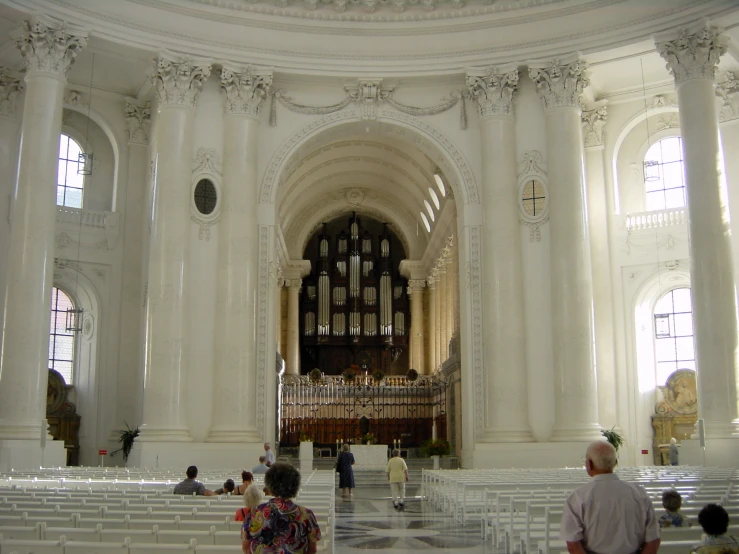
{"x":178,"y":80}
{"x":138,"y":119}
{"x":493,"y":89}
{"x":10,"y":85}
{"x":693,"y":56}
{"x":367,"y":94}
{"x":559,"y":83}
{"x":48,"y":46}
{"x":245,"y":90}
{"x":728,"y":93}
{"x":593,"y":122}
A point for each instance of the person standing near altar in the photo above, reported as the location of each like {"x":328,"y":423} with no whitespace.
{"x":397,"y":474}
{"x":344,"y":465}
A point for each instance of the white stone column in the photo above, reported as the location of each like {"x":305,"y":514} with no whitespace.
{"x":441,"y":313}
{"x":506,"y":413}
{"x":178,"y":82}
{"x":48,"y":51}
{"x":138,"y":119}
{"x":433,"y":330}
{"x":559,"y":84}
{"x":279,"y":284}
{"x":417,"y":355}
{"x":292,"y":361}
{"x":449,"y":314}
{"x":727,"y":91}
{"x":692,"y":60}
{"x":455,"y":288}
{"x":234,"y":403}
{"x":593,"y":122}
{"x":10,"y":85}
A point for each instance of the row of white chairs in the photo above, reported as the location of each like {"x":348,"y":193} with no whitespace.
{"x":26,"y":546}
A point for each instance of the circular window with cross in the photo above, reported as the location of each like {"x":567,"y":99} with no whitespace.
{"x":533,"y":199}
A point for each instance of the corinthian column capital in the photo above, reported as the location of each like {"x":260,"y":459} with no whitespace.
{"x":245,"y":90}
{"x":48,"y":46}
{"x":416,"y":286}
{"x":693,"y":56}
{"x":728,"y":93}
{"x":177,"y":80}
{"x":493,"y":88}
{"x":593,"y":122}
{"x":10,"y":86}
{"x":559,"y":82}
{"x":294,"y":284}
{"x":138,"y":119}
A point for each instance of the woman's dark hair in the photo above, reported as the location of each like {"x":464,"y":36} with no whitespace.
{"x":714,"y":519}
{"x":671,"y":500}
{"x":282,"y":480}
{"x":247,"y":476}
{"x":229,"y":485}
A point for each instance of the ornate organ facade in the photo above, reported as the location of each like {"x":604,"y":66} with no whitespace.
{"x":354,"y":306}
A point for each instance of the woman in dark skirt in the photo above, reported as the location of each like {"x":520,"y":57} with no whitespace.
{"x":346,"y":473}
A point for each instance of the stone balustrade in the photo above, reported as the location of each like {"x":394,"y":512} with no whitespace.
{"x":652,"y":220}
{"x":91,"y":228}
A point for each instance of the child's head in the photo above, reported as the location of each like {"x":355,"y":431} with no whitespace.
{"x":671,"y":500}
{"x":714,"y":519}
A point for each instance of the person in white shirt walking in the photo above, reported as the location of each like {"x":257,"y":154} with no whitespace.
{"x":269,"y":455}
{"x":397,"y":474}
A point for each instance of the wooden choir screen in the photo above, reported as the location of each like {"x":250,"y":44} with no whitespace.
{"x":354,"y":304}
{"x":327,"y":409}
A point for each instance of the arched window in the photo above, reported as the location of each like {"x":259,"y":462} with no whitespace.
{"x":673,"y":333}
{"x":664,"y":176}
{"x":430,"y":210}
{"x":440,"y":183}
{"x":425,"y":222}
{"x":435,"y":198}
{"x":61,"y":341}
{"x":70,"y":183}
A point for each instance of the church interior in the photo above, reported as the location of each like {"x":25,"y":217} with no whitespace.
{"x":504,"y":224}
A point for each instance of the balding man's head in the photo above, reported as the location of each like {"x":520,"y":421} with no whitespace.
{"x":600,"y":457}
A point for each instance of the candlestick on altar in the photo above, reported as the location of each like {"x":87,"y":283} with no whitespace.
{"x":433,"y":431}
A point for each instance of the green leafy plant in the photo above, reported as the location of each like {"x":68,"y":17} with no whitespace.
{"x":613,"y":437}
{"x":436,"y":447}
{"x":126,"y":439}
{"x":315,"y":375}
{"x":368,"y":437}
{"x":305,"y":437}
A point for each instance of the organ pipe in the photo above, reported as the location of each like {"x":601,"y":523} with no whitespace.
{"x":386,"y":306}
{"x":323,"y":304}
{"x":354,"y":275}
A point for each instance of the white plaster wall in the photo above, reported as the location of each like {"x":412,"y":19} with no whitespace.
{"x":530,"y":135}
{"x":208,"y":133}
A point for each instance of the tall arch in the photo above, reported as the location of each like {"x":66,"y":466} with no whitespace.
{"x":464,"y":189}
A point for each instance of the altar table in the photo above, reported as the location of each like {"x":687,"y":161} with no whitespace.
{"x":369,"y":456}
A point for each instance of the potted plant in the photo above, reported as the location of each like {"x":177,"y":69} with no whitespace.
{"x":613,"y":437}
{"x":435,"y":448}
{"x":315,"y":375}
{"x":368,"y":438}
{"x":126,"y":439}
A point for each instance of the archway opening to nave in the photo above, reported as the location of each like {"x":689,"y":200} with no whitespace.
{"x":370,"y":303}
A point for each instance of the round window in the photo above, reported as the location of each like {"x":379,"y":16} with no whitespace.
{"x":534,"y":198}
{"x":206,"y":196}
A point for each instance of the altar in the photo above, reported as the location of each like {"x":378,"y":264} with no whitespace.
{"x":369,"y":456}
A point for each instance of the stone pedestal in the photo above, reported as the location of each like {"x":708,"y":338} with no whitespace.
{"x":48,"y":50}
{"x":559,"y":84}
{"x":178,"y":83}
{"x":692,"y":59}
{"x":234,"y":408}
{"x":506,"y":409}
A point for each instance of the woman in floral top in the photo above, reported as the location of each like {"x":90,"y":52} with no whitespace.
{"x":715,"y":522}
{"x":280,"y":525}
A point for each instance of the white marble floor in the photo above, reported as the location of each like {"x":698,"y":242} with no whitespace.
{"x":369,"y":522}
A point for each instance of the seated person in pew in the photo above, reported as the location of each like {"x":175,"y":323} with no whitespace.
{"x":280,"y":525}
{"x":672,"y":501}
{"x":607,"y":515}
{"x":715,"y":522}
{"x":253,"y":497}
{"x":262,"y":467}
{"x":190,"y":486}
{"x":228,"y":487}
{"x":246,"y":480}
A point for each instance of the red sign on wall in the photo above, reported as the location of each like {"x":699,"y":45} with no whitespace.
{"x":102,"y":452}
{"x":645,"y":451}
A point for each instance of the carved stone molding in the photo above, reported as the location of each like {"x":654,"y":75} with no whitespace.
{"x":663,"y":101}
{"x":294,"y":284}
{"x":693,"y":56}
{"x":48,"y":46}
{"x":367,"y":94}
{"x":593,"y":122}
{"x":10,"y":85}
{"x":245,"y":90}
{"x":532,"y":167}
{"x":138,"y":119}
{"x":178,"y":80}
{"x":727,"y":91}
{"x":560,"y":83}
{"x":669,"y":121}
{"x":416,"y":286}
{"x":207,"y":160}
{"x":493,"y":89}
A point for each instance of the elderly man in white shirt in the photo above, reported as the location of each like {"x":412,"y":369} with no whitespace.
{"x":607,"y":515}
